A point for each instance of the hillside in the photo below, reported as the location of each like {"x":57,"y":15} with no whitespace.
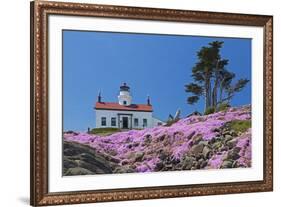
{"x":219,"y":140}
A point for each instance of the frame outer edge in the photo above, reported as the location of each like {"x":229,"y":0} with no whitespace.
{"x":32,"y":161}
{"x":39,"y":194}
{"x":269,"y":103}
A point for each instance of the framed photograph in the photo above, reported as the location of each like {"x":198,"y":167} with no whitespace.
{"x":135,"y":103}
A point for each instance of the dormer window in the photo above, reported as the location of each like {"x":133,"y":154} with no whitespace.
{"x":124,"y":102}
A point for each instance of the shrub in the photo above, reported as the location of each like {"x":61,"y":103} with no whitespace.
{"x":223,"y":107}
{"x":104,"y":131}
{"x":209,"y":110}
{"x":171,"y":122}
{"x":239,"y":125}
{"x":173,"y":119}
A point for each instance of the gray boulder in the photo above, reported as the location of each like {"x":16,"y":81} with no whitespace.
{"x":197,"y":149}
{"x":227,"y":164}
{"x":78,"y":171}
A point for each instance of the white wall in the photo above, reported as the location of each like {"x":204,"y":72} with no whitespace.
{"x":112,"y":113}
{"x":14,"y":102}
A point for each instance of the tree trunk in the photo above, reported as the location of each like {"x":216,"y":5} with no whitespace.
{"x":216,"y":84}
{"x":221,"y":90}
{"x":214,"y":95}
{"x":208,"y":94}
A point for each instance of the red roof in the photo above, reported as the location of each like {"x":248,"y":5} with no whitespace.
{"x":117,"y":106}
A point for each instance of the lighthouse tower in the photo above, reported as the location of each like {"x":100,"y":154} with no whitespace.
{"x":124,"y":97}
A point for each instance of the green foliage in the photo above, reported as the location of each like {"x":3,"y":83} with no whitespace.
{"x":239,"y":125}
{"x":194,"y":88}
{"x":104,"y":131}
{"x":212,"y":80}
{"x":173,"y":119}
{"x":209,"y":110}
{"x":192,"y":99}
{"x":223,"y":107}
{"x":237,"y":87}
{"x":170,"y":122}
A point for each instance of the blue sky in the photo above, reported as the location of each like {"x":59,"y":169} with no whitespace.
{"x":158,"y":65}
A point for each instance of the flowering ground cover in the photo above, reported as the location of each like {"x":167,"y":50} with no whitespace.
{"x":218,"y":140}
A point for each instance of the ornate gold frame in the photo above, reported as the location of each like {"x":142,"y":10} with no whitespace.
{"x":39,"y":102}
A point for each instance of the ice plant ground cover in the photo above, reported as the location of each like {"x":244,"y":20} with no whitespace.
{"x":218,"y":140}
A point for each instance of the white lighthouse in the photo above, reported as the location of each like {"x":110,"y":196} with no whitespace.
{"x":124,"y":114}
{"x":124,"y":97}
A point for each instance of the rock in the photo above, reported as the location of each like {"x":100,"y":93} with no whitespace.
{"x":162,"y":138}
{"x":196,"y":139}
{"x":224,"y":148}
{"x":78,"y":171}
{"x":227,"y":137}
{"x":190,"y":135}
{"x":233,"y":154}
{"x":112,"y":152}
{"x":89,"y":166}
{"x":71,"y":151}
{"x":197,"y":149}
{"x":124,"y":162}
{"x":204,"y":142}
{"x":225,"y":132}
{"x":207,"y":152}
{"x":124,"y":169}
{"x":169,"y":166}
{"x":200,"y":160}
{"x":68,"y":163}
{"x":139,"y":156}
{"x":212,"y":141}
{"x":217,"y":145}
{"x":159,"y":166}
{"x":175,"y":161}
{"x":187,"y":163}
{"x":136,"y":144}
{"x":203,"y":164}
{"x":237,"y":149}
{"x":194,"y":163}
{"x":84,"y":160}
{"x":113,"y":159}
{"x":199,"y":156}
{"x":233,"y":133}
{"x":235,"y":164}
{"x":166,"y":142}
{"x":216,"y":130}
{"x":147,"y":139}
{"x":232,"y":143}
{"x":198,"y":165}
{"x":162,"y":155}
{"x":227,"y":164}
{"x":129,"y":146}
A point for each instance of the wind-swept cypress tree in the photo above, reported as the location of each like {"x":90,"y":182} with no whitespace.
{"x":211,"y":78}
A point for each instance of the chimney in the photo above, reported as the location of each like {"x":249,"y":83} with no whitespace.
{"x":99,"y":97}
{"x":148,"y":101}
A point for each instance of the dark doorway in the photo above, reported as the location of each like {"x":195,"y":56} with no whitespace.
{"x":125,"y":122}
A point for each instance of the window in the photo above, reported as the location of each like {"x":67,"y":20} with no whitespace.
{"x":125,"y":102}
{"x":103,"y":121}
{"x":113,"y":121}
{"x":136,"y":122}
{"x":144,"y":122}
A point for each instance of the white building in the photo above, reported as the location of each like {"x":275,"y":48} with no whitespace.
{"x":124,"y":114}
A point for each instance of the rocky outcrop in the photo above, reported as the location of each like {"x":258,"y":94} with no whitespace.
{"x":80,"y":159}
{"x":219,"y":140}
